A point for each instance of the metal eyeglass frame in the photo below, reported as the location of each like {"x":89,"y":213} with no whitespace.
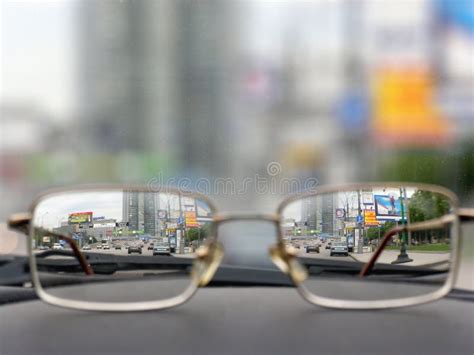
{"x":209,"y":256}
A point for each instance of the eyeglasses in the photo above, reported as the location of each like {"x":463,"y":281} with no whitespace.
{"x":130,"y":248}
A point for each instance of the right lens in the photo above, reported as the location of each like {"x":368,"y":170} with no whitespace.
{"x":338,"y":233}
{"x":118,"y":245}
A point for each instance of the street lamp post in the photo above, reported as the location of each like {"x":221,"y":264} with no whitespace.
{"x":182,"y":227}
{"x":360,"y":241}
{"x":403,"y":256}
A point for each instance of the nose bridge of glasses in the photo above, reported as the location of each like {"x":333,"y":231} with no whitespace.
{"x":227,"y":218}
{"x":246,"y":241}
{"x":208,"y":259}
{"x":285,"y":258}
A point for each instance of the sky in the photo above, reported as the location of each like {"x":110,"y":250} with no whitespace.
{"x":38,"y":43}
{"x":53,"y":210}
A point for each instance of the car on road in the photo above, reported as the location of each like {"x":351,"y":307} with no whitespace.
{"x":312,"y":248}
{"x":106,"y":246}
{"x":98,"y":246}
{"x":328,"y":245}
{"x":339,"y":248}
{"x":57,"y":246}
{"x":136,"y":248}
{"x":43,"y":247}
{"x":161,"y":249}
{"x":150,"y":246}
{"x":86,"y":247}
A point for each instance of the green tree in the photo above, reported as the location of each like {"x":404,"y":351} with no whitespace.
{"x":426,"y":205}
{"x":373,"y":232}
{"x":201,"y":233}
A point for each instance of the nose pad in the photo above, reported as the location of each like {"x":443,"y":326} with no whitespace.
{"x":285,"y":259}
{"x":208,"y":259}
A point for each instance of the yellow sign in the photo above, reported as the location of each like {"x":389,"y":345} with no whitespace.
{"x":190,"y":219}
{"x":404,"y":110}
{"x":370,"y":218}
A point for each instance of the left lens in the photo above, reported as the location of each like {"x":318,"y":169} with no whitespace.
{"x":338,"y":233}
{"x":116,"y":245}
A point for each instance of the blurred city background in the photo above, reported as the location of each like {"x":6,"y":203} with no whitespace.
{"x":338,"y":91}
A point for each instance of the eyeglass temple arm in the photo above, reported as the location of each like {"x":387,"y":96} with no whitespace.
{"x":22,"y":222}
{"x":466,"y":214}
{"x":435,"y":223}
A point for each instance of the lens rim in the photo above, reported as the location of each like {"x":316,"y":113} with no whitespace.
{"x":111,"y":306}
{"x":395,"y":302}
{"x":277,"y":219}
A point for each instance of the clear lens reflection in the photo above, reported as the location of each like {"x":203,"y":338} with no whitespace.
{"x":338,"y":233}
{"x":142,"y":240}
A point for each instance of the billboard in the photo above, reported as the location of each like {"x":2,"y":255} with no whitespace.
{"x":203,"y":209}
{"x":387,"y":207}
{"x":80,"y":217}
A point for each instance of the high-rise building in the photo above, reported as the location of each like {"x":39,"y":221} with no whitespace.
{"x":319,"y":213}
{"x":150,"y":213}
{"x":140,"y":210}
{"x":131,"y":210}
{"x":311,"y":213}
{"x":153,"y":78}
{"x":328,"y":214}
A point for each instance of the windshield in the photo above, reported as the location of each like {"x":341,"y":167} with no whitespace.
{"x":245,"y":102}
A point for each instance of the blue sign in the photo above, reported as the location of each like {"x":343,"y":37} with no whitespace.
{"x":181,"y":220}
{"x":457,"y":12}
{"x":353,"y":111}
{"x":360,"y":219}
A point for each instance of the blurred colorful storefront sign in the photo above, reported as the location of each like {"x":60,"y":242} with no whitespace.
{"x":190,"y":219}
{"x":404,"y":110}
